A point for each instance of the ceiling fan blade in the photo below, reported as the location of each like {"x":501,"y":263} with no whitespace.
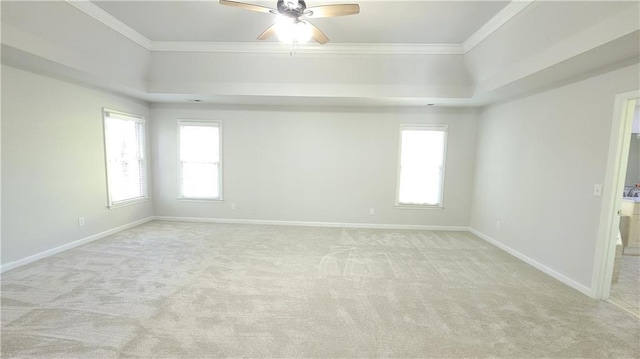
{"x":332,"y":10}
{"x":246,"y":6}
{"x":318,"y":35}
{"x":270,"y":31}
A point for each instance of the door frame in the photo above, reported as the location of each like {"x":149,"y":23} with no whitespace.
{"x":608,"y":228}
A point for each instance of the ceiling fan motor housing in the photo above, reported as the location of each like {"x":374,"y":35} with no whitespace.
{"x":292,"y":12}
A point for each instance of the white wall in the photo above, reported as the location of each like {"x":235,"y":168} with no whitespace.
{"x":317,"y":75}
{"x":314,"y":165}
{"x":548,"y":33}
{"x":537,"y":161}
{"x":58,"y":38}
{"x":53,"y":168}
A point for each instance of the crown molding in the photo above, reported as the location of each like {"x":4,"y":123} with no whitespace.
{"x":502,"y":17}
{"x":330,"y":48}
{"x":104,"y":17}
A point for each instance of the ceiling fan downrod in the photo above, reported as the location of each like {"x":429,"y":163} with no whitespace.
{"x":291,"y":9}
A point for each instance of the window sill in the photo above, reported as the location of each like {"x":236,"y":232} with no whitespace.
{"x":127,"y":203}
{"x":418,"y":206}
{"x":194,"y":199}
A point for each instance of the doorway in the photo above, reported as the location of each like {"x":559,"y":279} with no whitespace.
{"x":609,"y":235}
{"x":625,"y":283}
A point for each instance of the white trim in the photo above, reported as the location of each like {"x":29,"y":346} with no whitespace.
{"x":128,"y":202}
{"x":330,"y":48}
{"x":559,"y":276}
{"x":418,"y":206}
{"x":502,"y":17}
{"x":614,"y":183}
{"x":74,"y":244}
{"x":120,"y":115}
{"x":312,"y":224}
{"x":139,"y":120}
{"x":623,"y":308}
{"x":195,"y":199}
{"x":104,"y":17}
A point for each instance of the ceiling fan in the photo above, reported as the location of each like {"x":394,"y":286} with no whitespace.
{"x":291,"y":24}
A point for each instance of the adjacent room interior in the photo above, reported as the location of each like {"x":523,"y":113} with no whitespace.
{"x":178,"y":181}
{"x":626,"y":269}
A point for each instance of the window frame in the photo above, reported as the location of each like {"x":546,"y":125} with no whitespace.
{"x":211,"y":123}
{"x":422,"y":127}
{"x":140,"y":120}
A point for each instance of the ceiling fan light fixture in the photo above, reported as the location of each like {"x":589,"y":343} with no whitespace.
{"x":303,"y":31}
{"x":291,"y":25}
{"x":293,"y":30}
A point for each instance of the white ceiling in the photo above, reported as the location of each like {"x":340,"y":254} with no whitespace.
{"x":413,"y":22}
{"x":394,"y":53}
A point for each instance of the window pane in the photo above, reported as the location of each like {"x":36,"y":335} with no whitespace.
{"x":200,"y":180}
{"x":421,"y":165}
{"x":126,"y":167}
{"x":199,"y":143}
{"x":199,"y":160}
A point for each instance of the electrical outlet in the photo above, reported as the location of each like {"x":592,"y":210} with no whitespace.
{"x":233,"y":206}
{"x":372,"y":211}
{"x":498,"y":225}
{"x":80,"y":221}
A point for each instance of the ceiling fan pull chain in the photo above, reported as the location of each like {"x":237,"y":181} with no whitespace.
{"x":292,"y":49}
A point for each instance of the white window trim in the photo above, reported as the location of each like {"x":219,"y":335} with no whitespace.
{"x":423,"y":127}
{"x":137,"y":118}
{"x":213,"y":123}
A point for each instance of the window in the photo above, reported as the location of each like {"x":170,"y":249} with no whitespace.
{"x":199,"y":159}
{"x":421,"y":165}
{"x":125,"y":155}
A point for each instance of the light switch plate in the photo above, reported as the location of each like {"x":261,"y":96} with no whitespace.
{"x":597,"y":190}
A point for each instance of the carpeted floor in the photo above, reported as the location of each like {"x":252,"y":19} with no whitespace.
{"x":626,"y":293}
{"x":194,"y":290}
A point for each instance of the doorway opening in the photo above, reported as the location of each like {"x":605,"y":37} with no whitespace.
{"x":625,"y":282}
{"x":614,"y":238}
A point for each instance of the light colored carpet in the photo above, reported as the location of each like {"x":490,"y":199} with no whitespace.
{"x":193,"y":290}
{"x":626,"y":293}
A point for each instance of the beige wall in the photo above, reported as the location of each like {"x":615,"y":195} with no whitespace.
{"x":538,"y":159}
{"x":53,"y":168}
{"x":314,"y":165}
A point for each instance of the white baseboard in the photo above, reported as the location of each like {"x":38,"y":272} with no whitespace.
{"x":64,"y":247}
{"x":314,"y":224}
{"x":532,"y":262}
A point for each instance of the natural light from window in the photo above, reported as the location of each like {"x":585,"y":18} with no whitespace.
{"x":125,"y":155}
{"x":199,"y":160}
{"x":422,"y":154}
